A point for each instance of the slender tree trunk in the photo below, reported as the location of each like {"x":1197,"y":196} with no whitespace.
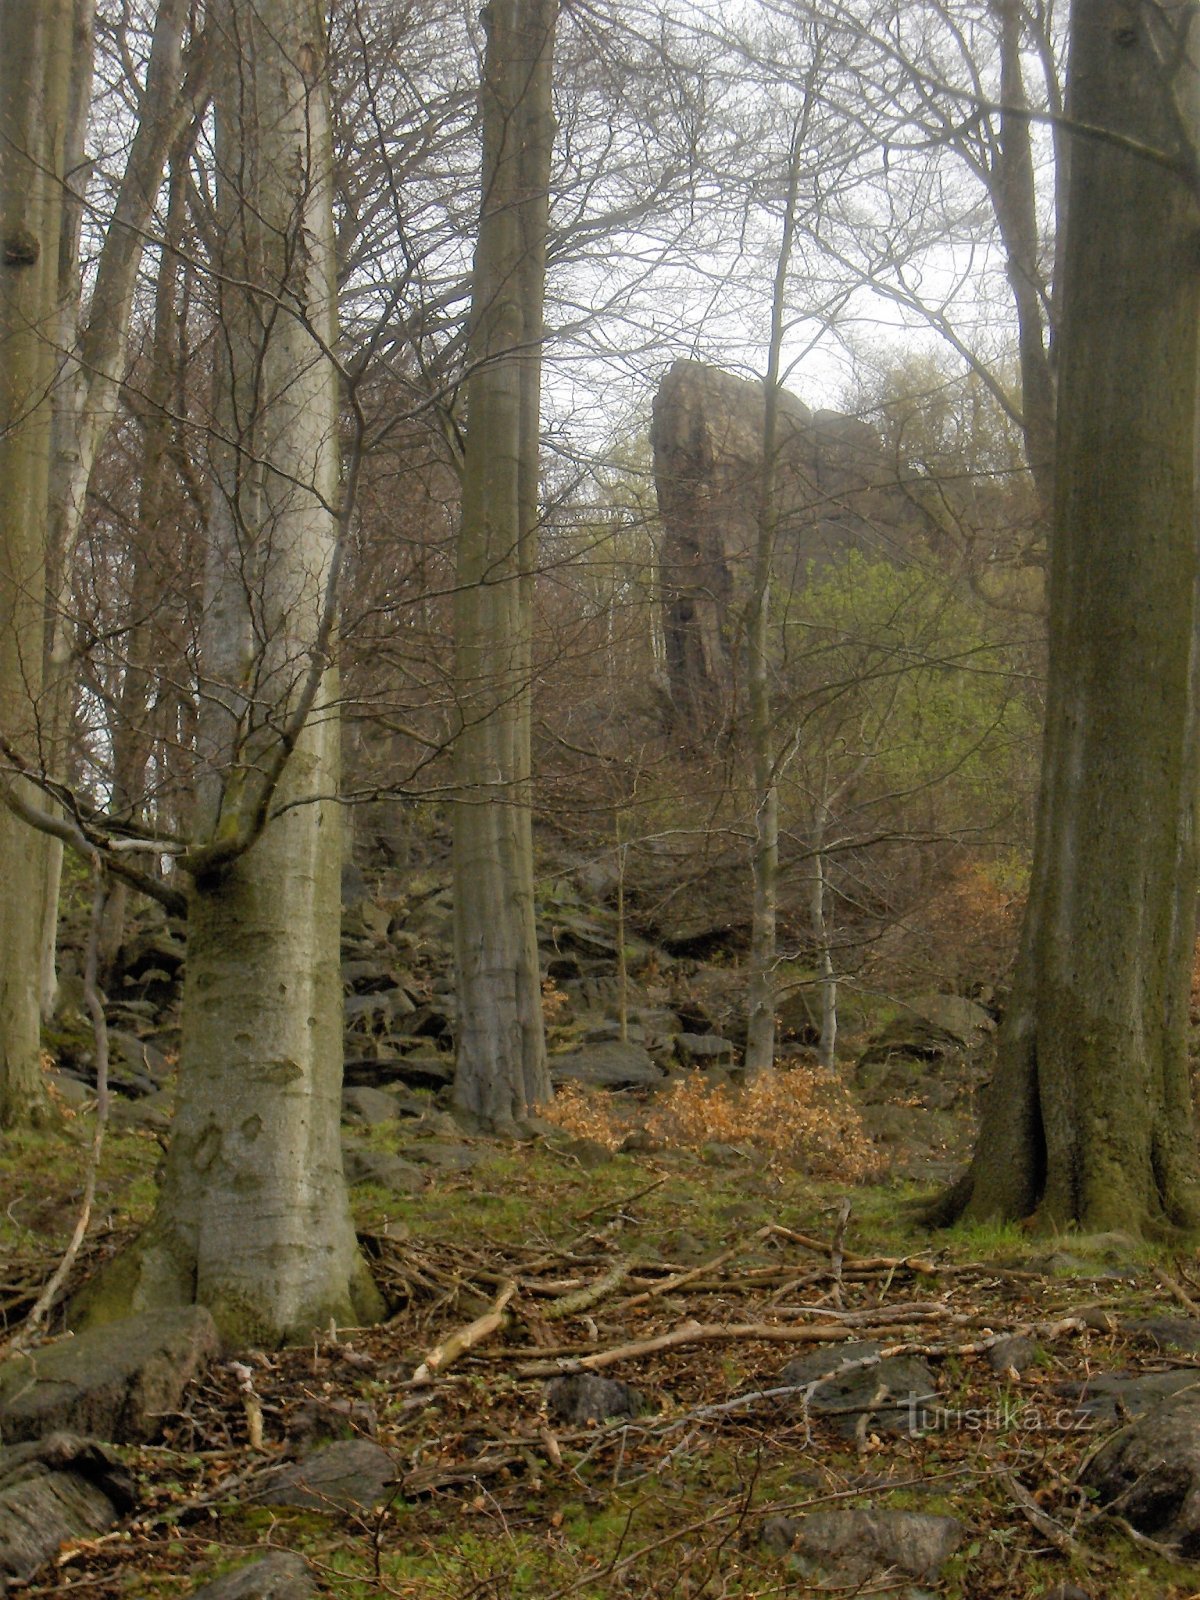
{"x":253,"y":1218}
{"x":35,"y":75}
{"x":55,"y":718}
{"x":765,"y":759}
{"x":501,"y":1070}
{"x":133,"y":734}
{"x":87,"y":393}
{"x":827,"y":1042}
{"x":1089,"y":1118}
{"x":1014,"y":199}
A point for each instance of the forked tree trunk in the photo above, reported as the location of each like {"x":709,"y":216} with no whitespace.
{"x":1089,"y":1119}
{"x":501,"y":1067}
{"x":253,"y":1218}
{"x":35,"y":75}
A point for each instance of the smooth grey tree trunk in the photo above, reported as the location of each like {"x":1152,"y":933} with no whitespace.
{"x":253,"y":1218}
{"x":501,"y":1068}
{"x":1089,"y":1118}
{"x":35,"y":76}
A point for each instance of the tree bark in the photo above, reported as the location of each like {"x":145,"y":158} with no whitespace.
{"x":35,"y":76}
{"x":1089,"y":1118}
{"x":253,"y":1218}
{"x":501,"y":1067}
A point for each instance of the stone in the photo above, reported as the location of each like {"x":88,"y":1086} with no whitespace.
{"x":52,"y":1490}
{"x":1150,"y":1472}
{"x":838,"y":489}
{"x":1017,"y":1352}
{"x":578,"y":1398}
{"x":963,"y":1020}
{"x":693,"y":1048}
{"x":441,"y":1156}
{"x":369,"y":1106}
{"x":1169,"y":1333}
{"x":384,"y":1170}
{"x":854,"y":1546}
{"x":349,"y":1475}
{"x":279,"y":1575}
{"x":1114,"y":1396}
{"x":422,"y":1070}
{"x":116,"y":1382}
{"x":608,"y":1065}
{"x":895,"y":1395}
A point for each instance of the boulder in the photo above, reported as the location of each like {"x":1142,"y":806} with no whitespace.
{"x":369,"y":1106}
{"x":384,"y":1170}
{"x":279,"y":1575}
{"x":578,"y":1398}
{"x":1150,"y":1472}
{"x":703,"y":1049}
{"x":348,"y":1475}
{"x":422,"y":1070}
{"x":52,"y":1490}
{"x":855,"y":1546}
{"x":607,"y":1065}
{"x":1111,"y":1396}
{"x":895,"y":1395}
{"x":116,"y":1382}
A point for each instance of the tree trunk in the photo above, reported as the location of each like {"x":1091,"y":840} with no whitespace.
{"x":1014,"y":199}
{"x":253,"y":1218}
{"x":765,"y":759}
{"x":35,"y":75}
{"x":1089,"y":1118}
{"x":501,"y":1068}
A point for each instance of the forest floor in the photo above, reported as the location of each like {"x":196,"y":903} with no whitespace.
{"x":692,"y":1271}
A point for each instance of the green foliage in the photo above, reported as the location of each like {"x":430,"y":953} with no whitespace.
{"x":900,"y":689}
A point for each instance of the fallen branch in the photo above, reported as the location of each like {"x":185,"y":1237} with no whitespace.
{"x":464,"y":1339}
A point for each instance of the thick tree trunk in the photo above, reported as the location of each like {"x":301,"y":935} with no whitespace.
{"x":253,"y":1218}
{"x":1089,"y":1119}
{"x":35,"y":74}
{"x":501,"y":1068}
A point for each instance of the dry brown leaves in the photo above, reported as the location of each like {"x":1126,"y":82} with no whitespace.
{"x":799,"y":1117}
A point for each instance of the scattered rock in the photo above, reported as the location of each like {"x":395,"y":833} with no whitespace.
{"x":1017,"y":1353}
{"x":1169,"y":1333}
{"x":443,"y":1157}
{"x":639,"y":1142}
{"x":277,"y":1576}
{"x":894,"y":1395}
{"x":424,"y":1070}
{"x":1115,"y":1396}
{"x":380,"y":1168}
{"x":369,"y":1106}
{"x":55,"y":1489}
{"x":854,"y":1545}
{"x":608,"y":1065}
{"x":116,"y":1382}
{"x":582,"y":1397}
{"x":1150,"y":1472}
{"x":349,"y":1475}
{"x":323,"y":1418}
{"x":705,"y":1048}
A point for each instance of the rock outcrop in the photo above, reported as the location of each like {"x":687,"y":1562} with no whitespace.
{"x":837,"y":489}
